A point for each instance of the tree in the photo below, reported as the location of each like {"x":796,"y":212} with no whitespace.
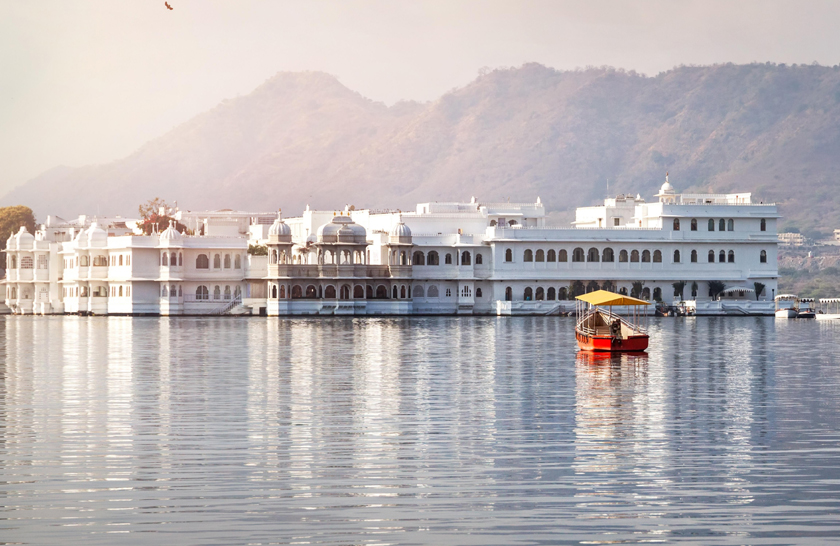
{"x":694,"y":289}
{"x":576,"y":289}
{"x":153,"y":221}
{"x":636,"y":290}
{"x":608,"y":286}
{"x":759,"y":289}
{"x":11,"y":218}
{"x":679,"y":287}
{"x":152,"y":207}
{"x":258,"y":250}
{"x":715,"y":288}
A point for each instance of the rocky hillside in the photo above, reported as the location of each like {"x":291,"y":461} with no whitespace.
{"x":303,"y":138}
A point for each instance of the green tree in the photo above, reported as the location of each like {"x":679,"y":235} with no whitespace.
{"x":11,"y":218}
{"x":759,"y":289}
{"x":258,"y":250}
{"x":679,"y":288}
{"x":152,"y":207}
{"x":715,"y":288}
{"x":636,"y":290}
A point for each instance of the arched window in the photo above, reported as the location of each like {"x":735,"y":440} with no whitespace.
{"x":433,"y":292}
{"x":381,"y":292}
{"x":730,"y":225}
{"x":274,"y":291}
{"x":552,"y":256}
{"x":529,"y":255}
{"x":676,"y":256}
{"x":121,"y":259}
{"x":227,"y":292}
{"x":711,"y":256}
{"x":359,"y":292}
{"x":394,"y":292}
{"x":657,"y":256}
{"x":622,"y":256}
{"x":694,"y":224}
{"x":722,"y":225}
{"x":479,"y":259}
{"x":694,"y":256}
{"x":763,"y":224}
{"x":721,"y":256}
{"x":466,"y":258}
{"x":609,"y":255}
{"x":217,"y":292}
{"x":562,"y":293}
{"x":83,"y":261}
{"x":237,"y":262}
{"x":540,"y":255}
{"x":552,"y":294}
{"x":297,"y":292}
{"x":13,"y":262}
{"x":329,"y":293}
{"x":173,"y":259}
{"x":346,"y":257}
{"x":577,"y":255}
{"x":201,"y":293}
{"x":508,"y":255}
{"x":202,"y":262}
{"x":508,"y":294}
{"x":763,"y":257}
{"x":563,"y":256}
{"x":711,"y":225}
{"x":676,"y":224}
{"x":646,"y":293}
{"x":623,"y":290}
{"x":657,"y":294}
{"x":478,"y":292}
{"x":593,"y":255}
{"x":217,"y":261}
{"x":418,"y":291}
{"x":164,"y":291}
{"x":528,"y":295}
{"x":634,"y":256}
{"x":434,"y":259}
{"x":164,"y":259}
{"x":311,"y":292}
{"x":180,"y":258}
{"x":402,"y":292}
{"x":540,"y":296}
{"x":731,"y":257}
{"x":448,"y":259}
{"x":418,"y":259}
{"x":646,"y":255}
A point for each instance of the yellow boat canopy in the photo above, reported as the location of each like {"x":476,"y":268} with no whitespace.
{"x":608,"y":299}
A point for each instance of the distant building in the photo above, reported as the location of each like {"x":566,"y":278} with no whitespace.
{"x":792,"y":239}
{"x":837,"y":234}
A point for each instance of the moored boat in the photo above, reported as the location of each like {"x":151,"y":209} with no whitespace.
{"x":598,"y":328}
{"x":806,"y":308}
{"x":787,"y":305}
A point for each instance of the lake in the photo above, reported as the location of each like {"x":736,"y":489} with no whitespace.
{"x":423,"y":430}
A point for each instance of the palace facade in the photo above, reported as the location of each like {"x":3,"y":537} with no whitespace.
{"x":442,"y":258}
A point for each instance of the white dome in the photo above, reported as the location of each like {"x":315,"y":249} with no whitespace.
{"x":170,"y":234}
{"x":401,"y":230}
{"x":279,"y":228}
{"x":95,"y":234}
{"x":341,"y":226}
{"x":666,"y":188}
{"x":24,"y":239}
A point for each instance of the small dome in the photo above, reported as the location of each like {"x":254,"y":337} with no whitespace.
{"x":170,"y":234}
{"x":401,"y":230}
{"x":666,"y":188}
{"x":279,"y":228}
{"x":95,"y":234}
{"x":24,"y":239}
{"x":343,"y":226}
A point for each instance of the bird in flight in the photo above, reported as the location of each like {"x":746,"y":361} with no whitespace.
{"x":167,"y":5}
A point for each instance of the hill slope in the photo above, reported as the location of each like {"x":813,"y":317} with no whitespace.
{"x":303,"y":138}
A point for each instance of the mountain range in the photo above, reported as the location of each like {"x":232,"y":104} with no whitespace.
{"x":569,"y":137}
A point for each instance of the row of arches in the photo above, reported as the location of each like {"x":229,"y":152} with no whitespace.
{"x":202,"y":292}
{"x":551,"y":293}
{"x":433,"y":258}
{"x":202,"y":261}
{"x":592,"y":255}
{"x":344,"y":292}
{"x":172,"y":260}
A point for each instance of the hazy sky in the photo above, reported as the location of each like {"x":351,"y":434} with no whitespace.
{"x":86,"y":82}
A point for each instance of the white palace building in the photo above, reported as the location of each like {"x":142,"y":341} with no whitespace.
{"x":444,"y":258}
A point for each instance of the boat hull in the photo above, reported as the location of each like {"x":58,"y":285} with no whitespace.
{"x":609,"y":344}
{"x":786,"y":313}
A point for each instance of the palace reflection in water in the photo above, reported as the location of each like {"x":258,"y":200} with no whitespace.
{"x":414,"y":430}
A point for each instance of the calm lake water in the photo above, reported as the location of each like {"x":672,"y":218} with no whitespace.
{"x":416,"y":431}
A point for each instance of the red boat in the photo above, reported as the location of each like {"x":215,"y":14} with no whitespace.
{"x":602,"y":330}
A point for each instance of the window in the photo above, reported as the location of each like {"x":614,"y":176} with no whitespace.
{"x":508,"y":293}
{"x":164,"y":292}
{"x":694,"y":224}
{"x":593,"y":255}
{"x":26,"y":262}
{"x":563,"y":256}
{"x":201,"y":293}
{"x":634,"y":256}
{"x":173,"y":259}
{"x":466,"y":259}
{"x":646,"y":255}
{"x":551,"y":294}
{"x":622,"y":256}
{"x":730,"y":225}
{"x":448,"y":259}
{"x":676,"y":256}
{"x":120,"y":291}
{"x":418,"y":291}
{"x":227,"y":292}
{"x":217,"y":261}
{"x":121,"y":259}
{"x":562,"y":294}
{"x":217,"y":292}
{"x":722,"y":225}
{"x":128,"y":259}
{"x":722,"y":257}
{"x":479,"y":259}
{"x":552,"y":256}
{"x":676,"y":224}
{"x":202,"y":262}
{"x":164,"y":259}
{"x":529,"y":255}
{"x":419,"y":258}
{"x":694,"y":256}
{"x":657,"y":256}
{"x":465,"y":292}
{"x":540,"y":296}
{"x":540,"y":255}
{"x":577,"y":255}
{"x":359,"y":292}
{"x":609,"y":255}
{"x":312,"y":293}
{"x":100,"y":261}
{"x":227,"y":261}
{"x":763,"y":257}
{"x":711,"y":225}
{"x":478,"y":292}
{"x":763,"y":224}
{"x":433,"y":292}
{"x":83,"y":261}
{"x":657,"y":294}
{"x":731,"y":257}
{"x":528,"y":295}
{"x":616,"y":222}
{"x":711,"y":256}
{"x":434,"y":259}
{"x":448,"y":292}
{"x":329,"y":293}
{"x":13,"y":262}
{"x":42,"y":261}
{"x":508,"y":255}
